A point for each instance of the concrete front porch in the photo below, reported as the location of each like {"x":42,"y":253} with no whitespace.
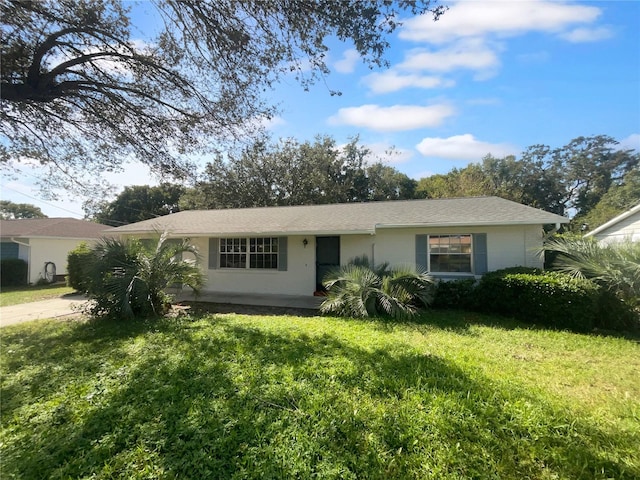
{"x":253,"y":299}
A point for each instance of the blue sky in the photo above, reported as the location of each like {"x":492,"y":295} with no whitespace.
{"x":488,"y":77}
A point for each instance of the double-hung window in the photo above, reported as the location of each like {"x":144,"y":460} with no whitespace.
{"x":450,"y":253}
{"x":254,"y":253}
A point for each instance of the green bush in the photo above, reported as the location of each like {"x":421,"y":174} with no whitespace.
{"x":78,"y":261}
{"x":545,"y":298}
{"x":13,"y":272}
{"x":455,"y":294}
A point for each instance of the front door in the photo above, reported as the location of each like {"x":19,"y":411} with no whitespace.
{"x":327,"y":258}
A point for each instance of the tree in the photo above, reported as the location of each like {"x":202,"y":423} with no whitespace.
{"x":11,"y":211}
{"x":569,"y":180}
{"x":140,"y":202}
{"x":292,"y":173}
{"x":80,"y":93}
{"x":128,"y":279}
{"x":620,"y":197}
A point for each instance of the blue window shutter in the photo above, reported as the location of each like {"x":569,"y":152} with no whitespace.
{"x":213,"y":253}
{"x":421,"y":252}
{"x":282,"y":254}
{"x":480,"y":253}
{"x":9,"y":250}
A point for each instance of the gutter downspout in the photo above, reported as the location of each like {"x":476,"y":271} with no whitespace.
{"x":550,"y":233}
{"x":13,"y":239}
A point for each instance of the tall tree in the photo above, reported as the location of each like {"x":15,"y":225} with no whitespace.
{"x":292,"y":173}
{"x":11,"y":211}
{"x":81,"y":93}
{"x":620,"y":197}
{"x":140,"y":202}
{"x":569,"y":180}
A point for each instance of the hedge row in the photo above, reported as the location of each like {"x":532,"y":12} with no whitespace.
{"x":13,"y":272}
{"x":551,"y":299}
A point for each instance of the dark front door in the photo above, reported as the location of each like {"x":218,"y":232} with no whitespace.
{"x":327,"y":257}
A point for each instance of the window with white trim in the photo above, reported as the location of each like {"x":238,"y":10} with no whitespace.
{"x":253,"y":252}
{"x":449,"y":253}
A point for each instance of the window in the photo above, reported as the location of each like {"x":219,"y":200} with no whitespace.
{"x":450,"y":253}
{"x":257,"y":253}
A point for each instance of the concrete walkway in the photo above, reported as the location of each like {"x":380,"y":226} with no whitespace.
{"x":65,"y":306}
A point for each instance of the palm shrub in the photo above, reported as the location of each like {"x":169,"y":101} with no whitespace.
{"x":128,"y":278}
{"x":360,"y":290}
{"x":614,"y":266}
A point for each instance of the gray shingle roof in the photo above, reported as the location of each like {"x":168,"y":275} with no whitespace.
{"x":51,"y":227}
{"x":345,"y":218}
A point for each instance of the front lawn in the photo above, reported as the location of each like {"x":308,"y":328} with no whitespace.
{"x":239,"y":396}
{"x":18,"y":295}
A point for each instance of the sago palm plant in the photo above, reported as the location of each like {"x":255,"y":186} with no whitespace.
{"x":359,"y":290}
{"x":128,"y":278}
{"x":614,"y":266}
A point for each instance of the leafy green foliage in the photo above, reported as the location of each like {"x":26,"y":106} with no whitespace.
{"x":128,"y":279}
{"x":553,"y":299}
{"x":78,"y":261}
{"x":82,"y":92}
{"x":137,"y":203}
{"x":249,"y":397}
{"x":455,"y":294}
{"x":614,"y":266}
{"x":358,"y":290}
{"x":574,"y":177}
{"x":10,"y":210}
{"x":292,"y":173}
{"x":13,"y":272}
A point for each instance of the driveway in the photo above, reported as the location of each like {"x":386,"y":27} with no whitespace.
{"x":53,"y":308}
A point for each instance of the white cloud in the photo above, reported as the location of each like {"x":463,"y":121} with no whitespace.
{"x":347,"y":63}
{"x":392,"y":81}
{"x":394,"y":118}
{"x":470,"y":54}
{"x":507,"y":18}
{"x":632,"y":142}
{"x":462,"y":147}
{"x":585,"y":35}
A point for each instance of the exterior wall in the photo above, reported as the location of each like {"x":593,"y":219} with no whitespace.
{"x":628,"y":228}
{"x":507,"y":246}
{"x":54,"y":250}
{"x":299,"y":279}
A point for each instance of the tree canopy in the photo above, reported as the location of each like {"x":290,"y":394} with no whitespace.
{"x":293,"y":173}
{"x":81,"y":92}
{"x":140,"y":202}
{"x":569,"y":180}
{"x":13,"y":211}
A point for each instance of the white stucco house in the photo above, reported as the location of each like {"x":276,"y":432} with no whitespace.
{"x":44,"y":243}
{"x":288,"y":250}
{"x":624,"y":226}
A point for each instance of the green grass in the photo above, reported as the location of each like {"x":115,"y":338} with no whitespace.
{"x":18,"y":295}
{"x":231,"y":396}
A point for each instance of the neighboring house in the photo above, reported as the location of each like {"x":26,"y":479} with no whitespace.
{"x":44,"y":243}
{"x":624,"y":226}
{"x":288,"y":250}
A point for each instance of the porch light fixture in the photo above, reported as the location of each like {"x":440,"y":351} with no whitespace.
{"x":305,"y":242}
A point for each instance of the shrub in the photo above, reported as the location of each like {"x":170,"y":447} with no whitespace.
{"x":359,"y":290}
{"x":78,"y":260}
{"x":127,"y":278}
{"x":546,"y":298}
{"x":13,"y":272}
{"x":454,"y":293}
